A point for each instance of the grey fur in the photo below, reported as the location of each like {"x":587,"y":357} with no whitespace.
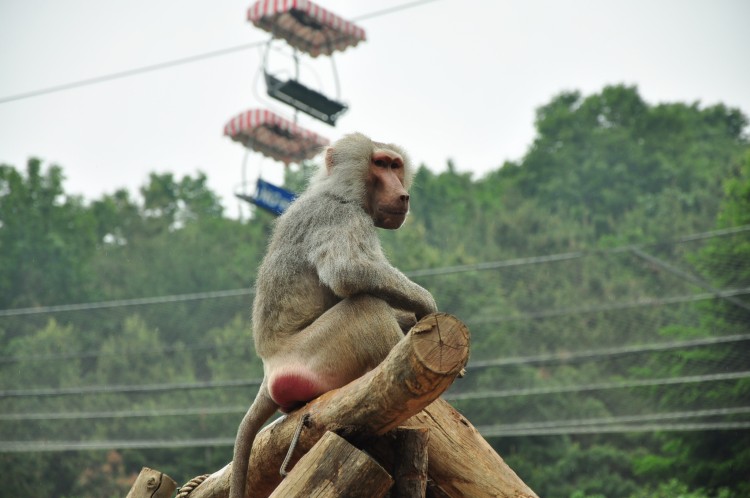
{"x":327,"y":300}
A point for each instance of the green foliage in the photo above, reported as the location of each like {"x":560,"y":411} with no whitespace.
{"x":296,"y":179}
{"x":676,"y":489}
{"x":52,"y":339}
{"x":600,"y":157}
{"x":46,"y":238}
{"x":713,"y":460}
{"x":604,"y":171}
{"x":565,"y":468}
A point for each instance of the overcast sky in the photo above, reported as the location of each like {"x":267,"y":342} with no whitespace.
{"x":446,"y":79}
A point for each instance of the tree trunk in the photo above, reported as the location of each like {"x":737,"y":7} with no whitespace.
{"x":334,"y":468}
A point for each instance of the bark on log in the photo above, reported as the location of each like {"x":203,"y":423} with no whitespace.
{"x":416,"y":372}
{"x":435,"y":491}
{"x":418,"y":369}
{"x":334,"y":468}
{"x":410,"y":472}
{"x":461,"y":462}
{"x":152,"y":484}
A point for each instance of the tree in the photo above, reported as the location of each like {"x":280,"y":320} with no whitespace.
{"x":605,"y":170}
{"x":595,"y":159}
{"x":46,"y":237}
{"x":712,"y":459}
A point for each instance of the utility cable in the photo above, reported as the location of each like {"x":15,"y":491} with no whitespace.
{"x":490,"y":431}
{"x":598,"y":354}
{"x":166,"y":412}
{"x":82,"y":355}
{"x":500,"y":431}
{"x":695,"y":279}
{"x":601,"y":386}
{"x":54,"y":446}
{"x":131,"y":389}
{"x":178,"y":62}
{"x":130,"y":72}
{"x":117,"y":303}
{"x":181,"y":386}
{"x":547,"y":358}
{"x":390,"y":10}
{"x":446,"y":270}
{"x":641,"y":418}
{"x":226,"y":410}
{"x":638,"y":303}
{"x":558,"y":357}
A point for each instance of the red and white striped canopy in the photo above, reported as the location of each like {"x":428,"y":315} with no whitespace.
{"x":274,"y":136}
{"x":305,"y":25}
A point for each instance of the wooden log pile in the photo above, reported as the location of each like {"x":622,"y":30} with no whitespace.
{"x":386,"y":432}
{"x":152,"y":484}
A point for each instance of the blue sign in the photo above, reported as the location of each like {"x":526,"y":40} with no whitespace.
{"x":271,"y":197}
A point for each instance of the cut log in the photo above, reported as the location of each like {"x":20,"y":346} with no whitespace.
{"x":152,"y":484}
{"x":461,"y":463}
{"x":435,"y":491}
{"x":410,"y":466}
{"x":418,"y":369}
{"x":334,"y":468}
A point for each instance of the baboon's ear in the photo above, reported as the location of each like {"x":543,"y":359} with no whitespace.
{"x":329,"y":159}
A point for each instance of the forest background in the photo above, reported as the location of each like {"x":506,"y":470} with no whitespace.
{"x":605,"y":278}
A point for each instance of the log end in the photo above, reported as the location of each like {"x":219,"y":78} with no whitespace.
{"x":441,"y":342}
{"x":152,"y":484}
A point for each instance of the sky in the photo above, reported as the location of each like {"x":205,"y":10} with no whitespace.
{"x":446,"y":79}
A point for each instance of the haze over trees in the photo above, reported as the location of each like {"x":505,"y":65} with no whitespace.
{"x":605,"y":278}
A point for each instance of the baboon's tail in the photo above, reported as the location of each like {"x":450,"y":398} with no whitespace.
{"x":260,"y":411}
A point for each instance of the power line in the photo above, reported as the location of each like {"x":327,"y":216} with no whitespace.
{"x":499,"y":431}
{"x":638,"y":303}
{"x":489,"y":431}
{"x":548,"y":358}
{"x":178,"y":62}
{"x":54,"y":446}
{"x":390,"y":10}
{"x":601,"y":386}
{"x":446,"y":270}
{"x":78,"y":355}
{"x":175,"y":298}
{"x":124,"y":389}
{"x":694,"y":279}
{"x":557,"y":357}
{"x":226,"y":410}
{"x":62,"y":308}
{"x":596,"y":354}
{"x":130,"y":72}
{"x":181,"y":386}
{"x":494,"y":265}
{"x":648,"y":417}
{"x":166,"y":412}
{"x":702,"y":235}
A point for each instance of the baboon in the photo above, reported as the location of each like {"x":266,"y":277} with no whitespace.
{"x":328,"y":305}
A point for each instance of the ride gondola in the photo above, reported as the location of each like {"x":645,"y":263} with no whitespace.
{"x":273,"y":136}
{"x":315,"y":31}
